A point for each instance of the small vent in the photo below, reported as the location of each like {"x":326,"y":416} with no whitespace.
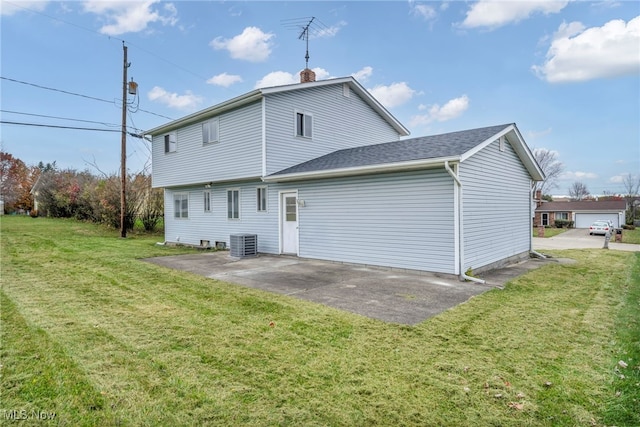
{"x":244,"y":245}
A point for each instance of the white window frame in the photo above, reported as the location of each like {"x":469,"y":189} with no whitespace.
{"x":559,"y":216}
{"x":233,"y":205}
{"x":170,"y":142}
{"x":206,"y":200}
{"x":211,"y":131}
{"x":262,"y":199}
{"x":179,"y":212}
{"x":304,"y":128}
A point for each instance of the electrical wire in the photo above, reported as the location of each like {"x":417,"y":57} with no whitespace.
{"x":78,"y":94}
{"x":135,"y":135}
{"x":133,"y":128}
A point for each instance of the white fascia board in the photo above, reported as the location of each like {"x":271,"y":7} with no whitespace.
{"x":236,"y":102}
{"x":519,"y":146}
{"x":362,"y":170}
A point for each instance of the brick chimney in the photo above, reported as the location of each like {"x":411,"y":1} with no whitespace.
{"x":538,"y":198}
{"x":307,"y":76}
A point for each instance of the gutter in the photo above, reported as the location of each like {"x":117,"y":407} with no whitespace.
{"x":359,"y":170}
{"x":463,"y":276}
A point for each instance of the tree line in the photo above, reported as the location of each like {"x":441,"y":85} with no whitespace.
{"x":46,"y":189}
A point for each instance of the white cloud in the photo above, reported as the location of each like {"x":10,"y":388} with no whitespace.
{"x":131,"y":17}
{"x":188,"y":101}
{"x":277,"y":78}
{"x":578,"y":175}
{"x":363,"y":74}
{"x":578,"y":54}
{"x":435,"y":113}
{"x":224,"y":80}
{"x":422,"y":10}
{"x":252,"y":45}
{"x":393,"y":95}
{"x":326,"y":32}
{"x":280,"y":78}
{"x":8,"y":9}
{"x":494,"y":14}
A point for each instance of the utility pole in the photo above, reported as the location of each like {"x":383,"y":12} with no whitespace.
{"x":123,"y":148}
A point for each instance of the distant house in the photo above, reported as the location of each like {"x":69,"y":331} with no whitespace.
{"x":582,"y":213}
{"x":319,"y":170}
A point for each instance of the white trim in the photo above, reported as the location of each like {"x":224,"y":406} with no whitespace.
{"x":280,"y":231}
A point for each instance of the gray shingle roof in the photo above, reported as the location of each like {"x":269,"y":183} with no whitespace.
{"x":421,"y":148}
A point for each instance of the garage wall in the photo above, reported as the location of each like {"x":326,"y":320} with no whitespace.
{"x":584,"y":220}
{"x":403,"y":220}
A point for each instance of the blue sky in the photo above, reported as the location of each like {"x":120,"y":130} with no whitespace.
{"x":566,"y":72}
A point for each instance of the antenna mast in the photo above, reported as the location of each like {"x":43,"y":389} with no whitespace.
{"x":304,"y":35}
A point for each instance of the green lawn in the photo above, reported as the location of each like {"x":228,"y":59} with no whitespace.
{"x":98,"y":338}
{"x":549,"y":231}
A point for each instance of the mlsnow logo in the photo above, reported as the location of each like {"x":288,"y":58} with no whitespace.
{"x":23,"y":414}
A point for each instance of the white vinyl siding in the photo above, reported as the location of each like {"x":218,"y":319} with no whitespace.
{"x":402,"y":220}
{"x":214,"y":226}
{"x":238,"y":155}
{"x":496,"y":206}
{"x":338,"y":122}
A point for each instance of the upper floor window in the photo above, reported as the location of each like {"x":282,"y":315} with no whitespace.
{"x":181,"y":205}
{"x":170,"y":142}
{"x":210,"y":131}
{"x":304,"y":124}
{"x":261,"y":199}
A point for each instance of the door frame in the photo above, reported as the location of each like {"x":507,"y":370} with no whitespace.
{"x":281,"y":206}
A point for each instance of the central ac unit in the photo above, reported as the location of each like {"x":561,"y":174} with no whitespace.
{"x":244,"y":245}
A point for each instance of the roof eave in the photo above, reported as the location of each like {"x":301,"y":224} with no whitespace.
{"x":231,"y":104}
{"x":362,"y":170}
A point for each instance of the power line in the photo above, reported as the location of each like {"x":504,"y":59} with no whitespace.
{"x":70,"y":119}
{"x":56,"y":90}
{"x":59,"y":118}
{"x":77,"y":94}
{"x":135,"y":135}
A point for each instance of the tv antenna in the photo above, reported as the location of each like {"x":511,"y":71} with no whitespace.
{"x":308,"y":27}
{"x":304,"y":35}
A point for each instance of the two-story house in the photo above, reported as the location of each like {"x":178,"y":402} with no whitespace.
{"x":319,"y":170}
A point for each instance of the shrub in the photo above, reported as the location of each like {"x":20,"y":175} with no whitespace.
{"x":561,"y":223}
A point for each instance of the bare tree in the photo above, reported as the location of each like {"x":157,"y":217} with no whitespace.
{"x":631,"y":188}
{"x":578,"y":191}
{"x":551,"y":166}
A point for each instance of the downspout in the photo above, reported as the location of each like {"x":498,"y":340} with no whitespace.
{"x":460,"y":242}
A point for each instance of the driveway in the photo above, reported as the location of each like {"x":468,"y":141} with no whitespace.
{"x":579,"y":238}
{"x":391,"y":295}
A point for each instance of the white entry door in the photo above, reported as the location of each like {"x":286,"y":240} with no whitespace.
{"x":289,"y":222}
